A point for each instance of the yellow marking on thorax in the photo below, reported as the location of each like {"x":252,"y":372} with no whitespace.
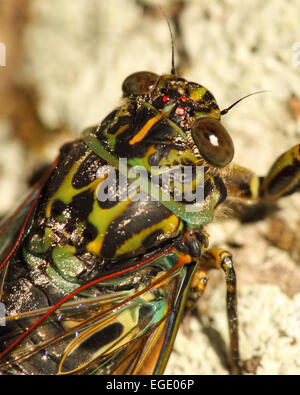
{"x":121,"y":129}
{"x":101,"y":219}
{"x":168,"y":225}
{"x":198,"y":93}
{"x":145,"y":129}
{"x":66,"y":191}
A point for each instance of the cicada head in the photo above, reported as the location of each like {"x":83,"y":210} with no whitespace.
{"x":172,"y":111}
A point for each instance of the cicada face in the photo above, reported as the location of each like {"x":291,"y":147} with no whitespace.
{"x":183,"y":113}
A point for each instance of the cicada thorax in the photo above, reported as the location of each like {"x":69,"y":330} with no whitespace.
{"x":80,"y":221}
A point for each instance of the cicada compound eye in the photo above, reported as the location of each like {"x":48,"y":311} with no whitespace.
{"x":213,"y":141}
{"x":139,"y":83}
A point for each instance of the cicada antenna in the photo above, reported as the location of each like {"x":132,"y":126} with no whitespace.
{"x":173,"y":69}
{"x":225,"y":111}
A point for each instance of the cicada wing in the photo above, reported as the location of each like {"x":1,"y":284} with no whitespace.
{"x":11,"y":227}
{"x":153,"y":355}
{"x":142,"y":357}
{"x":41,"y":341}
{"x":129,"y":341}
{"x":14,"y":228}
{"x":123,"y":333}
{"x":143,"y":346}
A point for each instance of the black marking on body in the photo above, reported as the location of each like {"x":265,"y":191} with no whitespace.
{"x":108,"y":119}
{"x":283,"y":179}
{"x":152,"y":238}
{"x":90,"y":232}
{"x":133,"y":221}
{"x":207,"y":98}
{"x":208,"y":188}
{"x":57,"y":208}
{"x":124,"y":120}
{"x":162,"y":151}
{"x":76,"y":212}
{"x":123,"y":148}
{"x":66,"y":162}
{"x":87,"y":171}
{"x":221,"y":188}
{"x":82,"y":205}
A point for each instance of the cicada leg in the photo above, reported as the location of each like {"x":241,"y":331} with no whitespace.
{"x":284,"y":176}
{"x":214,"y":258}
{"x":217,"y":258}
{"x":198,"y":286}
{"x":282,"y":179}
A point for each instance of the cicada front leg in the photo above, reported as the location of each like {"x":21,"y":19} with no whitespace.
{"x":282,"y":179}
{"x":284,"y":176}
{"x":217,"y":258}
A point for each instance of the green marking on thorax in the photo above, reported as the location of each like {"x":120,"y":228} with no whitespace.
{"x":111,"y":139}
{"x":39,"y":245}
{"x":68,"y":265}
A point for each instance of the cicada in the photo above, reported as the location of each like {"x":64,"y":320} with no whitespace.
{"x":97,"y":270}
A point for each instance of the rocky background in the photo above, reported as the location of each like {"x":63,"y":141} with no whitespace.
{"x":65,"y":63}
